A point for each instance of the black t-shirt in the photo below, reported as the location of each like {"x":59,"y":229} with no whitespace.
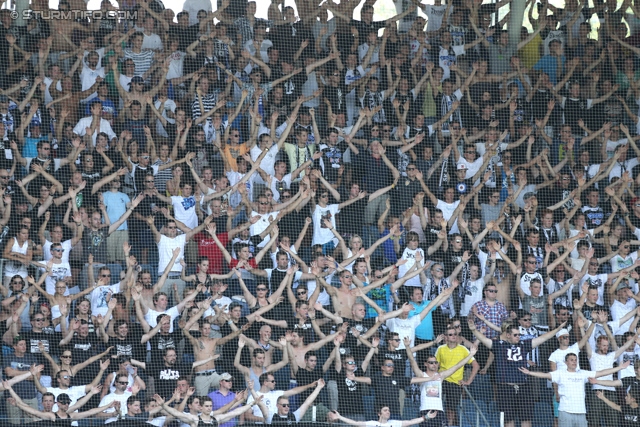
{"x":130,"y":346}
{"x":337,"y":96}
{"x":350,"y":217}
{"x":231,"y":346}
{"x":305,"y":377}
{"x":166,"y":377}
{"x":82,"y":349}
{"x":350,"y":345}
{"x":50,"y":342}
{"x":387,"y":390}
{"x":293,"y":87}
{"x":350,"y":394}
{"x":399,"y":358}
{"x":145,"y":208}
{"x":159,"y":343}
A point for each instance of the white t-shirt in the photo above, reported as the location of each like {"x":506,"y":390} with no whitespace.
{"x":600,"y":362}
{"x":99,"y":302}
{"x":558,"y":356}
{"x":404,"y":328}
{"x":618,"y":310}
{"x":151,"y":316}
{"x":152,"y":42}
{"x":75,"y":393}
{"x":111,"y":397}
{"x":571,"y":390}
{"x":447,"y":208}
{"x":322,"y":235}
{"x":262,"y":225}
{"x":165,"y":252}
{"x":184,"y":209}
{"x":270,"y":400}
{"x":435,"y":15}
{"x":390,"y":423}
{"x":431,"y":395}
{"x":474,"y":294}
{"x":472,"y":168}
{"x":58,"y":272}
{"x":599,"y":281}
{"x":410,"y":256}
{"x":46,"y":250}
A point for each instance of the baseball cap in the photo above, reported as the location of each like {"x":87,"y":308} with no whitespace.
{"x":562,"y":332}
{"x":226,"y":376}
{"x":622,"y":285}
{"x":462,"y":167}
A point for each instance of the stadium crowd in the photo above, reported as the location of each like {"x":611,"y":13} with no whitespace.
{"x":217,"y":218}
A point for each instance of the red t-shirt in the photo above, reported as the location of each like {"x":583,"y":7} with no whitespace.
{"x":208,"y":248}
{"x":252,"y":263}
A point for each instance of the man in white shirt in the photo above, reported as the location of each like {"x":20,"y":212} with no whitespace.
{"x":169,"y":241}
{"x":572,"y":409}
{"x":90,"y":73}
{"x":91,"y":122}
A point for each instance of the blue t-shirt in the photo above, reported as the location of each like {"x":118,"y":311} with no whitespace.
{"x":24,"y":389}
{"x":510,"y":357}
{"x":30,"y":146}
{"x":381,"y":297}
{"x":116,"y":204}
{"x":424,"y":331}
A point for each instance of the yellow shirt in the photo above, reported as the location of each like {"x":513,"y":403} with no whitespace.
{"x":530,"y":53}
{"x":449,"y":357}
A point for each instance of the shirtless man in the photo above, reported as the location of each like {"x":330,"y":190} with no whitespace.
{"x":204,"y":350}
{"x":259,"y":363}
{"x":149,"y":290}
{"x":297,"y":348}
{"x":264,"y":342}
{"x":342,"y":297}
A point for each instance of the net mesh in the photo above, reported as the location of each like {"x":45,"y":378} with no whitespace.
{"x":385,"y":212}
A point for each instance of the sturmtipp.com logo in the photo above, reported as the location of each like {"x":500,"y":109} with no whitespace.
{"x":48,"y":15}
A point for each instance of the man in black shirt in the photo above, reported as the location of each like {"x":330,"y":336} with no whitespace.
{"x":166,"y":376}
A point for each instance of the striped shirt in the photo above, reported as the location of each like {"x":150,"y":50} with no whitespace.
{"x":208,"y":102}
{"x":162,"y":176}
{"x":142,"y":60}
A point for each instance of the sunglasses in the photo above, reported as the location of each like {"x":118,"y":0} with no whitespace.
{"x":351,"y":362}
{"x":123,"y":382}
{"x":57,"y":250}
{"x":66,"y":377}
{"x":432,"y":362}
{"x":411,"y":169}
{"x":284,"y":405}
{"x":261,"y":289}
{"x":41,"y":319}
{"x":527,"y":319}
{"x":389,"y":365}
{"x":492,"y":291}
{"x":62,"y":357}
